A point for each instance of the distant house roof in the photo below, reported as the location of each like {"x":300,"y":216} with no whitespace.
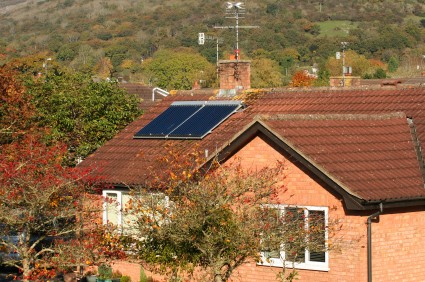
{"x":365,"y":144}
{"x":142,"y":92}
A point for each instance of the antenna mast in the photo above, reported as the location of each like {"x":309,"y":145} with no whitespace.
{"x":235,"y":10}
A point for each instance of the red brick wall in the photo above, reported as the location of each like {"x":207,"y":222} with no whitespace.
{"x":336,"y":81}
{"x":398,"y":246}
{"x":235,"y":74}
{"x":133,"y":270}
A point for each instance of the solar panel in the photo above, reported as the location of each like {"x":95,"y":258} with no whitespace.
{"x":167,"y":121}
{"x":189,"y":120}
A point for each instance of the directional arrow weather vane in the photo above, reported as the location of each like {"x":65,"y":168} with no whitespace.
{"x":237,"y":5}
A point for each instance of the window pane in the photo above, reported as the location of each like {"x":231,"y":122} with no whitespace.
{"x":112,"y":208}
{"x":129,"y":220}
{"x":295,"y":234}
{"x":317,"y":236}
{"x":272,"y":235}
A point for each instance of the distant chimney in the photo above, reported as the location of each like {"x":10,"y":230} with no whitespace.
{"x":235,"y":74}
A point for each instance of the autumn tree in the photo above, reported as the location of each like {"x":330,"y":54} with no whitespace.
{"x":15,"y":107}
{"x":214,"y":221}
{"x":302,"y":79}
{"x":42,"y":208}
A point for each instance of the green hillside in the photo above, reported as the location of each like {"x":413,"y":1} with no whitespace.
{"x":79,"y":33}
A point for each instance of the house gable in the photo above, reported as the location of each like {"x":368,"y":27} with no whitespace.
{"x":334,"y":164}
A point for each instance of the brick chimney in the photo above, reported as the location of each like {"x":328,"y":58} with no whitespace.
{"x":235,"y":74}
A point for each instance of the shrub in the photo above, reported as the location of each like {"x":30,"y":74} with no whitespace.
{"x":380,"y":73}
{"x":105,"y":271}
{"x":125,"y":278}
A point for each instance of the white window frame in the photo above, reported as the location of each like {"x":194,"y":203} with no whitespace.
{"x":119,"y":205}
{"x":119,"y":194}
{"x":307,"y":264}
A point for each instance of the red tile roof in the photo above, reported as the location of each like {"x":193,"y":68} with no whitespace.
{"x":372,"y":156}
{"x":353,"y":136}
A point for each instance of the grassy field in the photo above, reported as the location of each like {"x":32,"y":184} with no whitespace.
{"x":336,"y":28}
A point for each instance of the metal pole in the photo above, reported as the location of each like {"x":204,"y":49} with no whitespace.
{"x":217,"y":57}
{"x":237,"y":34}
{"x":343,"y":65}
{"x":45,"y":66}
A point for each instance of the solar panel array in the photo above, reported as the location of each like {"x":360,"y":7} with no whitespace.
{"x":189,"y":120}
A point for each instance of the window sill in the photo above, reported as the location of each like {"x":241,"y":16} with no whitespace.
{"x":323,"y":268}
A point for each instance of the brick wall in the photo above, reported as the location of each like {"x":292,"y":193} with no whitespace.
{"x":235,"y":74}
{"x":398,"y":247}
{"x":336,"y":81}
{"x":132,"y":269}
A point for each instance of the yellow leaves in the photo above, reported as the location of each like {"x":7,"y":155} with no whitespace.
{"x":186,"y":174}
{"x":103,"y":67}
{"x":173,"y":176}
{"x":54,"y":203}
{"x":127,"y":64}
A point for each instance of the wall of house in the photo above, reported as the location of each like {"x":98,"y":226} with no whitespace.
{"x":133,"y":269}
{"x":398,"y":249}
{"x":398,"y":246}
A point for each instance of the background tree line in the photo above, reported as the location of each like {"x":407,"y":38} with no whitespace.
{"x":107,"y":38}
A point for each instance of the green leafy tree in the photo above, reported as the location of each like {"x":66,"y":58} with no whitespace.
{"x":393,"y":64}
{"x":265,"y":73}
{"x":117,"y":54}
{"x":67,"y":52}
{"x":79,"y":111}
{"x":322,"y":77}
{"x":380,"y":73}
{"x":360,"y":65}
{"x":178,"y":69}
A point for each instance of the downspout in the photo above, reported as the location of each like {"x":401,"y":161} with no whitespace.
{"x":369,"y":241}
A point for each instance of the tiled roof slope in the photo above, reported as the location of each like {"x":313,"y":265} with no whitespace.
{"x":371,"y":156}
{"x":124,"y":160}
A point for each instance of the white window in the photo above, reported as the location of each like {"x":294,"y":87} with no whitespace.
{"x":303,"y":241}
{"x":115,"y":210}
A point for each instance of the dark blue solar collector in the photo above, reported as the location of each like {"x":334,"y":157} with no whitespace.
{"x":189,"y":120}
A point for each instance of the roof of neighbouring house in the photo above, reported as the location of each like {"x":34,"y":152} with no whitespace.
{"x":364,"y":143}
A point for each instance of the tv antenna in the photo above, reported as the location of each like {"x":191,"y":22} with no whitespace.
{"x":235,"y":10}
{"x":201,"y":41}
